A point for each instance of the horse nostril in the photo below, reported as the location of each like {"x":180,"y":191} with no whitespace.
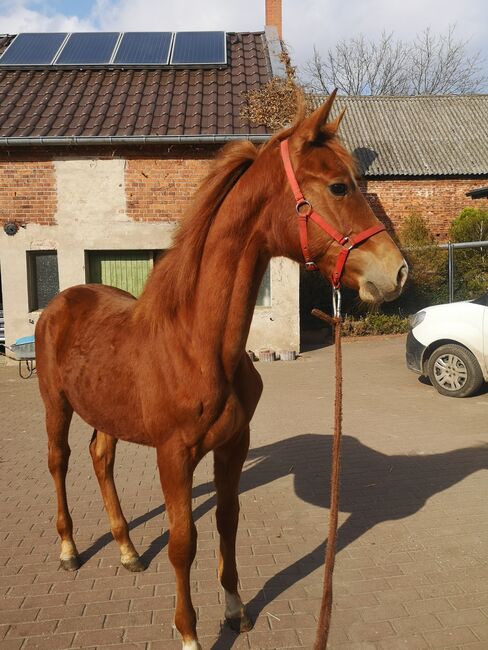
{"x":402,"y":274}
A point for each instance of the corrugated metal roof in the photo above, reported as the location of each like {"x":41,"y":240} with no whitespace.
{"x":416,"y":136}
{"x":53,"y":103}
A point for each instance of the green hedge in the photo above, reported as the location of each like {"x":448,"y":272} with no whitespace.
{"x":470,"y":265}
{"x":374,"y":324}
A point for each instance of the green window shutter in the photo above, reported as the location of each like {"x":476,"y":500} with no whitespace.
{"x":127,"y":270}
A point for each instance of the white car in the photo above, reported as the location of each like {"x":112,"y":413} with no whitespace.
{"x":449,"y":344}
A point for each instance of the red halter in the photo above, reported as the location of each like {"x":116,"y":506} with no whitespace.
{"x":347,"y":243}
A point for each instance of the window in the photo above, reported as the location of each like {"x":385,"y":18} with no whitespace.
{"x":42,"y":278}
{"x":127,"y":270}
{"x":264,"y":293}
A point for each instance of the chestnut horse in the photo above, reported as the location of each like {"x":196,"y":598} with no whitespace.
{"x":170,"y":369}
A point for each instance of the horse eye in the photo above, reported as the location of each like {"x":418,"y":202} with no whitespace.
{"x":339,"y":189}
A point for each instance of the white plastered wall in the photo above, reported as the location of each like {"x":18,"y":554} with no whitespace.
{"x":91,"y":215}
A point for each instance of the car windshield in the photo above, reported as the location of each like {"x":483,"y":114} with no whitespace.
{"x":482,"y":300}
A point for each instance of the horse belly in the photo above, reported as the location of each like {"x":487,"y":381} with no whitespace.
{"x":112,"y":409}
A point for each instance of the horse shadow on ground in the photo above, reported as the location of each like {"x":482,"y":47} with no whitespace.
{"x":375,"y":488}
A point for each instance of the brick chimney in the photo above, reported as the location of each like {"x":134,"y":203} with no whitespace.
{"x":273,"y":15}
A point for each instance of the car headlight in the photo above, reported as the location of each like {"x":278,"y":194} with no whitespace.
{"x":416,"y":319}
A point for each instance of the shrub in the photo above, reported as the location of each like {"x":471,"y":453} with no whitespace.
{"x":374,"y":324}
{"x":427,"y":282}
{"x":471,"y":265}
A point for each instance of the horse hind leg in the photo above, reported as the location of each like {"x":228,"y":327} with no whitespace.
{"x":58,"y":420}
{"x":228,"y":462}
{"x":102,"y":450}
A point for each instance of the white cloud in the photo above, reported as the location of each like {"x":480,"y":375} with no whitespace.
{"x":19,"y":17}
{"x":231,"y":15}
{"x":305,"y":22}
{"x":325,"y":23}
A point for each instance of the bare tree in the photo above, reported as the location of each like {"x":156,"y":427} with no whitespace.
{"x":440,"y":65}
{"x":430,"y":64}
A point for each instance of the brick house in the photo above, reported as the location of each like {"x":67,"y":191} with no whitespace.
{"x":418,"y":154}
{"x":99,"y":162}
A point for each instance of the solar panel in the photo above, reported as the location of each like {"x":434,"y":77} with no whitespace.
{"x":143,"y":48}
{"x":88,"y":48}
{"x":32,"y":49}
{"x":199,"y":48}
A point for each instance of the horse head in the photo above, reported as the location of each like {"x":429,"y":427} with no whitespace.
{"x":338,"y":233}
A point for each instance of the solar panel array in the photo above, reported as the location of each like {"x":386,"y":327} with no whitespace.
{"x":126,"y":49}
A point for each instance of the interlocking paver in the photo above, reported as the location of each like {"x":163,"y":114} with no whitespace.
{"x":411,"y":570}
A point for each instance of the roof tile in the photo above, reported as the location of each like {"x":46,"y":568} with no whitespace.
{"x":416,"y":136}
{"x":134,"y":102}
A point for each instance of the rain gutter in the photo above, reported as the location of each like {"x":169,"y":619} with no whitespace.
{"x":129,"y":140}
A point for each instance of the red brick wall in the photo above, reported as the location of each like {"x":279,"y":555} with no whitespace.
{"x":27,"y":191}
{"x":160,"y":189}
{"x":438,"y":201}
{"x":160,"y":182}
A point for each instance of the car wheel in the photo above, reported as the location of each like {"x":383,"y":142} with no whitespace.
{"x":454,"y":371}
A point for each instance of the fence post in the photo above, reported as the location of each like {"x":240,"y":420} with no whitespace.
{"x":450,"y":252}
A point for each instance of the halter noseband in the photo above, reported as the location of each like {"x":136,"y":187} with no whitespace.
{"x":305,"y":212}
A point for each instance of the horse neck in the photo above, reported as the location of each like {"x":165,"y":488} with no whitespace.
{"x":218,"y":312}
{"x":234,"y":260}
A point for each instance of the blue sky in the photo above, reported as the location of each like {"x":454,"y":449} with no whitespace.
{"x":80,"y":8}
{"x":305,"y":22}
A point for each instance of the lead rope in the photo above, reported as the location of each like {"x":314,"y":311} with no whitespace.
{"x":326,"y":605}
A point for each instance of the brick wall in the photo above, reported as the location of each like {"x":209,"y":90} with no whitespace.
{"x":439,"y":201}
{"x":27,"y":191}
{"x":159,"y":184}
{"x":160,"y":188}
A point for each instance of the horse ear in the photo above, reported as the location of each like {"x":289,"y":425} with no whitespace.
{"x":313,"y":128}
{"x":333,"y":126}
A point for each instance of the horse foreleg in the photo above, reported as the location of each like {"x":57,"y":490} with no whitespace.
{"x":102,"y":450}
{"x":176,"y":468}
{"x":58,"y":419}
{"x":228,"y":462}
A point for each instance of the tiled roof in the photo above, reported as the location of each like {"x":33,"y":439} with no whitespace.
{"x":56,"y":103}
{"x":417,"y":136}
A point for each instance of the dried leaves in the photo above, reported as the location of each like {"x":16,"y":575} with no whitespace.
{"x":275,"y":104}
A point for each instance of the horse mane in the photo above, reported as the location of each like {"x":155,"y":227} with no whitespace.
{"x":174,"y":277}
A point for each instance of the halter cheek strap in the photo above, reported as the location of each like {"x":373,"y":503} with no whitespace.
{"x":305,"y":212}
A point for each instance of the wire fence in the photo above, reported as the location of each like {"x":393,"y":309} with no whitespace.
{"x":451,"y":247}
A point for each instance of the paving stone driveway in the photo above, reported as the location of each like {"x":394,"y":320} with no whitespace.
{"x":412,"y":569}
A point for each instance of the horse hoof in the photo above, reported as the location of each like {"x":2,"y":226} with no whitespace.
{"x":240,"y":624}
{"x":72,"y":563}
{"x":135,"y":564}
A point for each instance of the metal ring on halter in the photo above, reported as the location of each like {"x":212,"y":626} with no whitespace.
{"x":336,"y":302}
{"x":300,"y":205}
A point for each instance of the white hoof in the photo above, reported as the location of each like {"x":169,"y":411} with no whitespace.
{"x":191,"y":645}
